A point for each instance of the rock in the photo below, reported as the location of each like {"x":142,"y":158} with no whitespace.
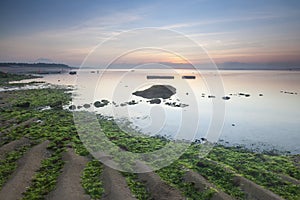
{"x":247,"y":95}
{"x":261,"y":95}
{"x":174,"y":104}
{"x":105,"y":101}
{"x":101,"y":103}
{"x":226,"y":98}
{"x":98,"y":104}
{"x":211,"y":96}
{"x":86,"y":105}
{"x":72,"y":107}
{"x":56,"y":105}
{"x":132,"y":102}
{"x":157,"y":91}
{"x":155,"y":101}
{"x":23,"y":105}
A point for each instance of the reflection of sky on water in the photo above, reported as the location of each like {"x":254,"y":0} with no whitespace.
{"x":272,"y":119}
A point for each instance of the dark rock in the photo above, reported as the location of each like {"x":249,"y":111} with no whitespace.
{"x":201,"y":164}
{"x":56,"y":105}
{"x":72,"y":107}
{"x":226,"y":98}
{"x":105,"y":101}
{"x":86,"y":105}
{"x":23,"y":105}
{"x":247,"y":95}
{"x":261,"y":95}
{"x":155,"y":101}
{"x":157,"y":91}
{"x":211,"y":96}
{"x":98,"y":104}
{"x":132,"y":102}
{"x":78,"y":107}
{"x":197,"y":141}
{"x":101,"y":103}
{"x":174,"y":104}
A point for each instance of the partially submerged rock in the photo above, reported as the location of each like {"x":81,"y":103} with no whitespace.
{"x":132,"y":102}
{"x":72,"y":107}
{"x":86,"y":105}
{"x":157,"y":91}
{"x":174,"y":104}
{"x":57,"y":105}
{"x":155,"y":101}
{"x":101,"y":103}
{"x":226,"y":98}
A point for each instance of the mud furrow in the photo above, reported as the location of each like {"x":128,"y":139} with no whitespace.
{"x":158,"y":188}
{"x":12,"y":146}
{"x":255,"y":191}
{"x":115,"y":186}
{"x":27,"y":166}
{"x":202,"y":184}
{"x":26,"y":123}
{"x":69,"y":182}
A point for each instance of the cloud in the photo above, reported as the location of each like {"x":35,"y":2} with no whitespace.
{"x":261,"y":16}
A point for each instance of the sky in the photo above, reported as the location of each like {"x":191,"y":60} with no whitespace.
{"x":229,"y":31}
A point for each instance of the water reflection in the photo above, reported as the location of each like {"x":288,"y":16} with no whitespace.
{"x":269,"y":117}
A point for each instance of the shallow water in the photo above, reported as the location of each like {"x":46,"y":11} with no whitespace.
{"x":268,"y":118}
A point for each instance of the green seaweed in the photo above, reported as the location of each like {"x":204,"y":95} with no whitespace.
{"x":91,"y":181}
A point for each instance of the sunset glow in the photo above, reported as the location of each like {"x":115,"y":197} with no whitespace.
{"x":235,"y":31}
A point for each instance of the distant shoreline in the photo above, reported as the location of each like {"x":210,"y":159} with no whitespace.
{"x":56,"y":68}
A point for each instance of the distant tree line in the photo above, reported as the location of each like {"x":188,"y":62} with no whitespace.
{"x":34,"y":65}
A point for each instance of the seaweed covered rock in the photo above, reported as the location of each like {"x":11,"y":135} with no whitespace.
{"x":23,"y":105}
{"x":57,"y":105}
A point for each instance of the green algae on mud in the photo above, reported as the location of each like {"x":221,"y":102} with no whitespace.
{"x":5,"y":78}
{"x":91,"y":181}
{"x":9,"y":164}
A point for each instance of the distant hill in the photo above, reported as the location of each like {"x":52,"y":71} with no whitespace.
{"x":34,"y":65}
{"x":34,"y":68}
